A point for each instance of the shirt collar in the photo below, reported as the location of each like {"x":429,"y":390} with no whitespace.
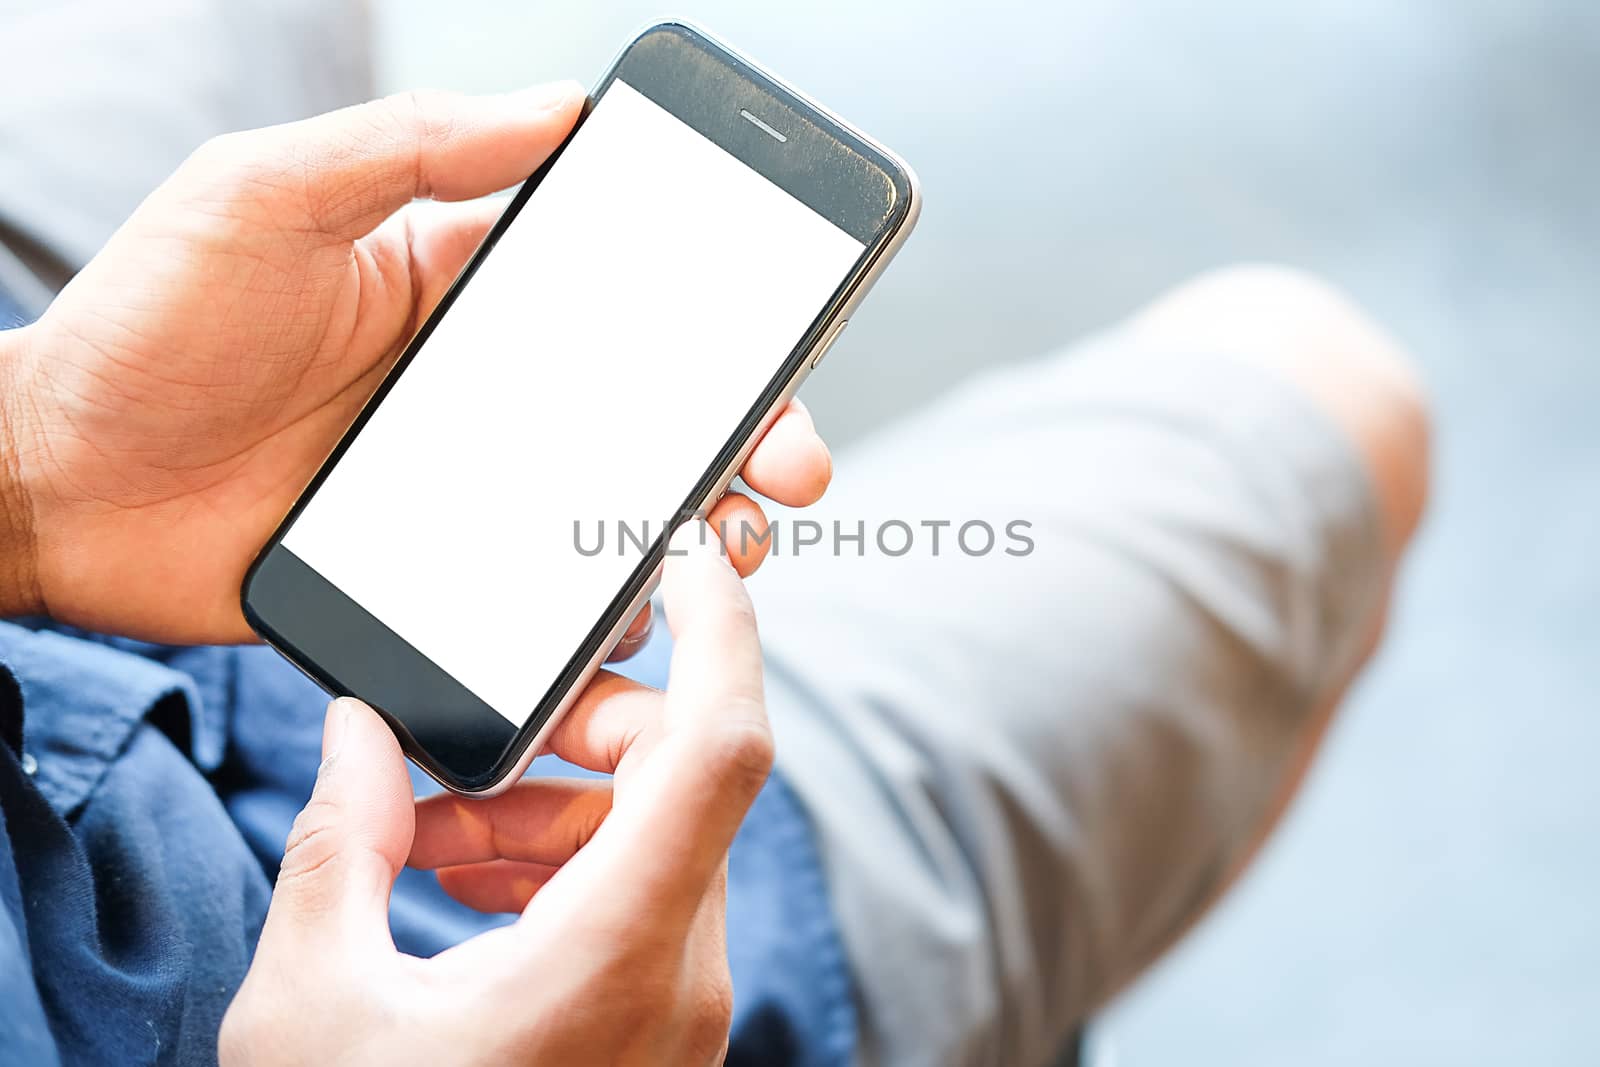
{"x":70,"y":701}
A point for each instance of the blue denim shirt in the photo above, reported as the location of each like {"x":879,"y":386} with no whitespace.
{"x":145,"y":794}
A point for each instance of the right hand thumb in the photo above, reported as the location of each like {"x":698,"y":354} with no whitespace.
{"x":352,"y":838}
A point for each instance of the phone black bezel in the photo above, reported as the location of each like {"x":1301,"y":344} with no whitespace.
{"x":442,"y":725}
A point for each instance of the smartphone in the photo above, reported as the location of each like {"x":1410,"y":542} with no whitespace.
{"x":642,"y":311}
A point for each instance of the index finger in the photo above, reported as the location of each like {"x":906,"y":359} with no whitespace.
{"x":677,"y":805}
{"x":791,"y":463}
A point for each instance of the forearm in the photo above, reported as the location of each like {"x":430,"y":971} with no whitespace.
{"x":19,"y":584}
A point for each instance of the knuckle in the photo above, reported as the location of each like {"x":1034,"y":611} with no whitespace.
{"x":220,"y":152}
{"x":312,"y":843}
{"x":242,"y":160}
{"x":739,"y":751}
{"x":227,"y":183}
{"x":420,"y":117}
{"x":406,"y":111}
{"x":218,"y":166}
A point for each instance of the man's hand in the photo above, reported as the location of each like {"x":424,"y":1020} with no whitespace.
{"x":619,"y":955}
{"x":161,"y":417}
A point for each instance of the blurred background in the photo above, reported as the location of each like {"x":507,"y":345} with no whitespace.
{"x":1433,"y":897}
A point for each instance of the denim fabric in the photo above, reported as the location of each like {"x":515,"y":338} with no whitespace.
{"x":145,"y":793}
{"x":10,"y":314}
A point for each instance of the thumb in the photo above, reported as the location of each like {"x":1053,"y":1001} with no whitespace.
{"x":352,"y":838}
{"x":361,"y":164}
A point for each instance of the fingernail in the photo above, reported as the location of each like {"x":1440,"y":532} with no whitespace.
{"x":336,"y":726}
{"x":551,"y":96}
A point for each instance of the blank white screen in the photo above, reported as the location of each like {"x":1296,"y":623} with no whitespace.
{"x":591,"y":370}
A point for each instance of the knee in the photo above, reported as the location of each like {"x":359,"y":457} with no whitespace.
{"x":1302,"y":328}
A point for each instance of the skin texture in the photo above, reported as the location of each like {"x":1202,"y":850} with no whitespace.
{"x":619,"y":954}
{"x":168,"y":408}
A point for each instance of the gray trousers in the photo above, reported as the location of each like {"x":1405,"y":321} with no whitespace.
{"x":1029,"y":770}
{"x":1030,"y":773}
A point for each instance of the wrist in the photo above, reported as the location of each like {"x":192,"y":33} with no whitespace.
{"x":19,"y":572}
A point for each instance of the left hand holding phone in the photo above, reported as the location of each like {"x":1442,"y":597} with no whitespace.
{"x":618,"y":955}
{"x":161,"y":417}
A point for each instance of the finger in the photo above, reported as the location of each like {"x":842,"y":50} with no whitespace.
{"x":416,"y":253}
{"x":440,"y":238}
{"x":715,"y":678}
{"x":607,"y":721}
{"x":744,"y":531}
{"x":544,"y":820}
{"x":361,"y":164}
{"x":638,"y":633}
{"x":675,"y":812}
{"x":496,"y":886}
{"x":790,"y":464}
{"x":350,"y":842}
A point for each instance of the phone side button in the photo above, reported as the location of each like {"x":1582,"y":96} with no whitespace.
{"x":833,"y":335}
